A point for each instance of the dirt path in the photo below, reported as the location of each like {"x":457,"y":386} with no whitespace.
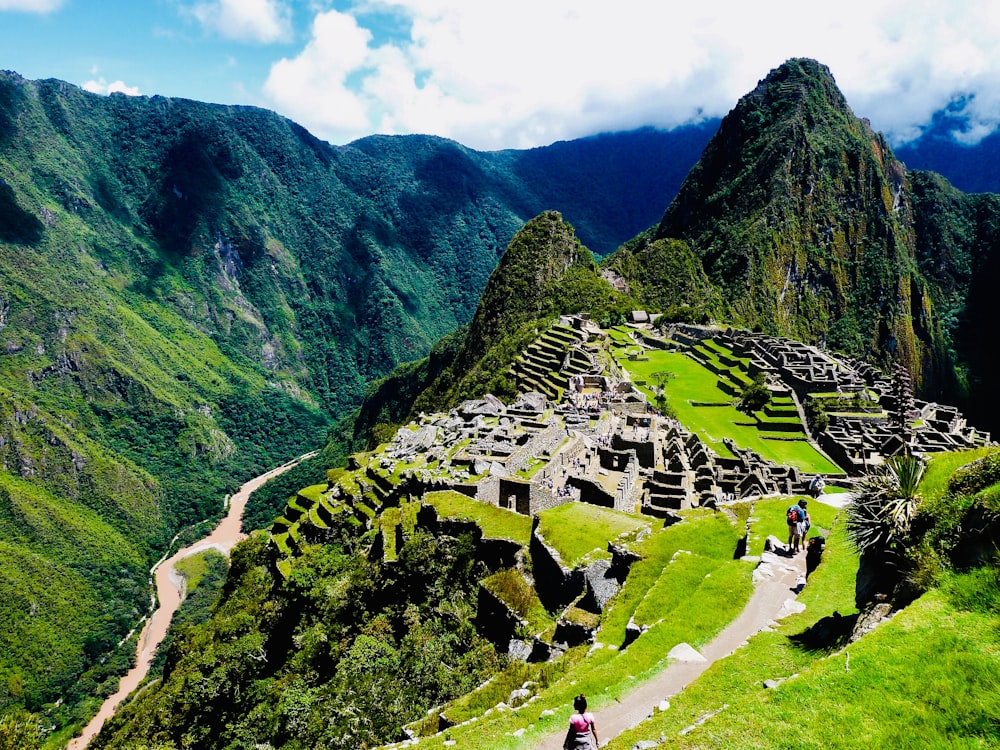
{"x":170,"y":593}
{"x":777,"y":580}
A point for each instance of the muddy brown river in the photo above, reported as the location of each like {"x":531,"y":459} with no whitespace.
{"x":169,"y":592}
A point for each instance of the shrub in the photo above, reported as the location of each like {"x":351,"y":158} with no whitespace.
{"x":885,"y":502}
{"x":976,"y":476}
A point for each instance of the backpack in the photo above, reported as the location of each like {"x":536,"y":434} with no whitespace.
{"x":793,"y":514}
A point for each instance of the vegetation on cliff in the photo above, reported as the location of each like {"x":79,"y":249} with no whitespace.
{"x":545,"y":272}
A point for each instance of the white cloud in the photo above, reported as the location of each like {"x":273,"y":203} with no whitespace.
{"x":524,"y":73}
{"x":101,"y":86}
{"x":31,"y":6}
{"x":263,"y":21}
{"x":312,"y":88}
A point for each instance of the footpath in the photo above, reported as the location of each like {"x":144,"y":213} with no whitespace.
{"x":778,"y":580}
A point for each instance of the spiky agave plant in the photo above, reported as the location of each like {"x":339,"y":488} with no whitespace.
{"x":885,"y":501}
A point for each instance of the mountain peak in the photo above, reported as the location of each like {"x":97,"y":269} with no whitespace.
{"x":797,"y":81}
{"x":795,"y":191}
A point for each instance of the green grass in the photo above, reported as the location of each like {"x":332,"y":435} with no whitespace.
{"x":710,"y":534}
{"x":497,"y":523}
{"x":511,"y":587}
{"x":579,"y":530}
{"x":928,"y":678}
{"x":738,"y":679}
{"x":942,"y":466}
{"x":681,"y":577}
{"x":194,"y":567}
{"x":607,"y":674}
{"x":696,"y":384}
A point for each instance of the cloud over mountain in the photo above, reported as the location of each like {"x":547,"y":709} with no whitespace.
{"x":523,"y":73}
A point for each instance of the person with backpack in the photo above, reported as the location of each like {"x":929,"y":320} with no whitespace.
{"x":794,"y":518}
{"x":806,"y":522}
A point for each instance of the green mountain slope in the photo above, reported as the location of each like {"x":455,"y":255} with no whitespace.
{"x":544,"y":272}
{"x":801,"y":216}
{"x":190,"y":293}
{"x":808,"y":226}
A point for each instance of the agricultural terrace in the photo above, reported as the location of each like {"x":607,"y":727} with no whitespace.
{"x":580,"y":530}
{"x":707,"y":410}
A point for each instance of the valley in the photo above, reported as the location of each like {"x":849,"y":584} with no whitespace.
{"x":560,"y":401}
{"x":170,"y":589}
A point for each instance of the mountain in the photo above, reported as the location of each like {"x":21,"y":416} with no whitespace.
{"x":808,"y":226}
{"x":545,"y":271}
{"x":798,"y":219}
{"x":190,"y":293}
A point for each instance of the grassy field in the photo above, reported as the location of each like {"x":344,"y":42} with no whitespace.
{"x":695,"y":384}
{"x":769,"y":519}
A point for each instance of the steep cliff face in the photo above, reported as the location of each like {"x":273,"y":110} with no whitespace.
{"x":802,"y":217}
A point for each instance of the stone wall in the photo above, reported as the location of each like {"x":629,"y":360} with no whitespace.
{"x":494,"y":620}
{"x":488,"y":491}
{"x":556,"y":585}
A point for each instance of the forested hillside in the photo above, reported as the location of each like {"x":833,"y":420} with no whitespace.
{"x":191,"y":293}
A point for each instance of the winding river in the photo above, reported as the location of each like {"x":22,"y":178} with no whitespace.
{"x":169,"y":591}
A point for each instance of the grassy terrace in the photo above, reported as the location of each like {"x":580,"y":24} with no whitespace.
{"x":579,"y":530}
{"x":497,"y":523}
{"x":696,"y":384}
{"x":682,"y":608}
{"x":929,"y":677}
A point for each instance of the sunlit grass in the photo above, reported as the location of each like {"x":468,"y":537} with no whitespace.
{"x":576,"y":530}
{"x":694,"y":384}
{"x":495,"y":522}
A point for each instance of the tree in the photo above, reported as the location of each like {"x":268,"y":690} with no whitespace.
{"x":755,"y":395}
{"x":20,"y":730}
{"x":816,"y":416}
{"x":660,"y":378}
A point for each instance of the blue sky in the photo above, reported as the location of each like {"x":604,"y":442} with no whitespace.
{"x":514,"y":74}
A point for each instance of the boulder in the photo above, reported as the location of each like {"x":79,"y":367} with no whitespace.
{"x":622,"y":560}
{"x":518,"y":696}
{"x":775,"y":545}
{"x":532,"y":401}
{"x":686,"y":653}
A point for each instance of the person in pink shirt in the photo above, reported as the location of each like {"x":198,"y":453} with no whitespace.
{"x":581,"y":727}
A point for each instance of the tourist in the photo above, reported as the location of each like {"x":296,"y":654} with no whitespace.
{"x":806,"y":522}
{"x":581,"y":726}
{"x":793,"y":517}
